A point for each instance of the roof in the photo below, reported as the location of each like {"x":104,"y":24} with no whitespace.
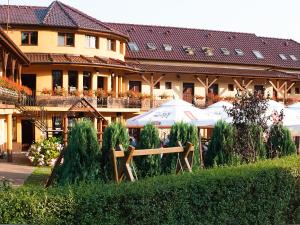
{"x":12,"y":48}
{"x":54,"y":58}
{"x":215,"y":71}
{"x":56,"y":15}
{"x":198,"y":38}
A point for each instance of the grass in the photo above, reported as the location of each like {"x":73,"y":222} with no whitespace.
{"x":38,"y":177}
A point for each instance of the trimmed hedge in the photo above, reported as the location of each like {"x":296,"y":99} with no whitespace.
{"x":258,"y":193}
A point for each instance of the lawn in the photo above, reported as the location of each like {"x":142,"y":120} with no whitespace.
{"x":38,"y":177}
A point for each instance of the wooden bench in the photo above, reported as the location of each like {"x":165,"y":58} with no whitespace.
{"x":123,"y":168}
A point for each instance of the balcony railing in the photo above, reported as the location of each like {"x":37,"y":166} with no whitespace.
{"x":8,"y":96}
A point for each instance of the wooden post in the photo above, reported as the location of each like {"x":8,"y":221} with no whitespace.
{"x":4,"y":63}
{"x":151,"y":91}
{"x":19,"y":74}
{"x":116,"y":86}
{"x":9,"y":137}
{"x":13,"y":67}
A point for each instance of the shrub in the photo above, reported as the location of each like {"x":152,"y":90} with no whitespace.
{"x":231,"y":195}
{"x":184,"y":133}
{"x":45,"y":152}
{"x":220,"y":148}
{"x":114,"y":134}
{"x":148,"y":166}
{"x":81,"y":159}
{"x":280,"y":142}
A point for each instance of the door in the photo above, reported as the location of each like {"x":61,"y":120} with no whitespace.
{"x":27,"y":134}
{"x":29,"y":80}
{"x":188,"y":92}
{"x":135,"y":86}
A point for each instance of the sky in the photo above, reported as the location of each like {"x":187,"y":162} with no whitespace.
{"x":267,"y":18}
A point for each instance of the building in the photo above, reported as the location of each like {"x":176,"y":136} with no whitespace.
{"x":123,"y":69}
{"x":11,"y":63}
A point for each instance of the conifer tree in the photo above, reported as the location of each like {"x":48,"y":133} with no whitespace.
{"x":81,"y":159}
{"x":148,"y":165}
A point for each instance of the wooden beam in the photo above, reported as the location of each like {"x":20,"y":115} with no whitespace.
{"x":19,"y":74}
{"x":201,"y":82}
{"x":248,"y":84}
{"x":282,"y":86}
{"x":289,"y":88}
{"x":273,"y":85}
{"x":212,"y":82}
{"x":5,"y":60}
{"x":13,"y":67}
{"x":159,"y":79}
{"x":238,"y":84}
{"x":145,"y":79}
{"x":151,"y":91}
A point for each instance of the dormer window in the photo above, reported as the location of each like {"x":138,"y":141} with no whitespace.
{"x":239,"y":52}
{"x":133,"y":47}
{"x":282,"y":56}
{"x":167,"y":47}
{"x":258,"y":54}
{"x":189,"y":50}
{"x":208,"y":51}
{"x":225,"y":51}
{"x":293,"y":57}
{"x":151,"y":46}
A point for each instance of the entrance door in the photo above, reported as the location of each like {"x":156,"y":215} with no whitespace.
{"x":135,"y":86}
{"x":29,"y":80}
{"x":27,"y":134}
{"x":188,"y":92}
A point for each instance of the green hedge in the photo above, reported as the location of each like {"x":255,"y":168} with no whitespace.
{"x":258,"y":193}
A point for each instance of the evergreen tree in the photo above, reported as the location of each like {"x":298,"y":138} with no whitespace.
{"x":148,"y":165}
{"x":81,"y":159}
{"x":114,"y":134}
{"x":220,"y":149}
{"x":184,"y":133}
{"x":280,"y":142}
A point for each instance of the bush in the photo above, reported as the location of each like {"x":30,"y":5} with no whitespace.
{"x":280,"y":142}
{"x":81,"y":159}
{"x":114,"y":134}
{"x":45,"y":152}
{"x":148,"y":166}
{"x":231,"y":195}
{"x":184,"y":133}
{"x":220,"y":148}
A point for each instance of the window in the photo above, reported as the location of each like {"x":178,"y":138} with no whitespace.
{"x":214,"y":89}
{"x":282,"y":56}
{"x":189,"y":50}
{"x":168,"y":85}
{"x":230,"y":87}
{"x":257,"y":54}
{"x":91,"y":41}
{"x":65,"y":39}
{"x":167,"y":47}
{"x":57,"y":79}
{"x":122,"y":48}
{"x":87,"y":80}
{"x":297,"y":90}
{"x":293,"y":57}
{"x":111,"y":45}
{"x":100,"y":82}
{"x":259,"y":88}
{"x":225,"y":51}
{"x":29,"y":37}
{"x":135,"y":86}
{"x":133,"y":47}
{"x":73,"y":80}
{"x":151,"y":46}
{"x":157,"y":85}
{"x":239,"y":52}
{"x":207,"y":51}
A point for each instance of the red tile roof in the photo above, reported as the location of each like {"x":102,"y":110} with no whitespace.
{"x":56,"y":15}
{"x":37,"y":58}
{"x":197,"y":38}
{"x":214,"y":71}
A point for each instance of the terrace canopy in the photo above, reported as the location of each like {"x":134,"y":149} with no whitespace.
{"x":171,"y":112}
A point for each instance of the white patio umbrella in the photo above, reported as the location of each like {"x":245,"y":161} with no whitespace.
{"x":294,"y":106}
{"x":217,"y":111}
{"x":292,"y":118}
{"x":171,"y":112}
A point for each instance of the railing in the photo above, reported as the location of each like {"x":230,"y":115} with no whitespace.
{"x":8,"y":96}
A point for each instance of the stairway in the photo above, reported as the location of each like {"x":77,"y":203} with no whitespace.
{"x":33,"y":112}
